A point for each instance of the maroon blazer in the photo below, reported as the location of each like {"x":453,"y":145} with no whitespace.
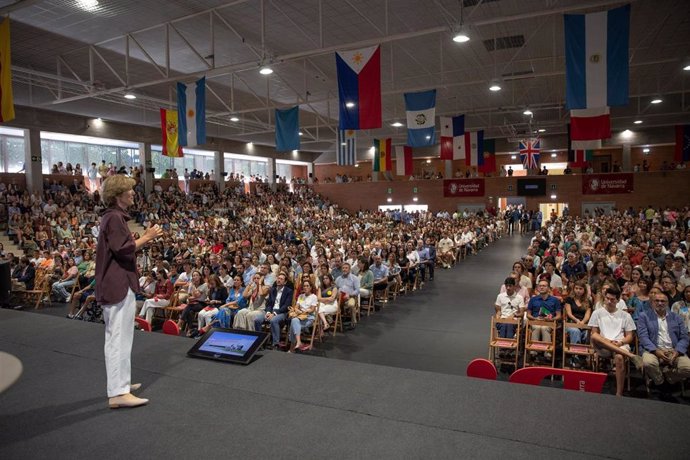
{"x":116,"y":266}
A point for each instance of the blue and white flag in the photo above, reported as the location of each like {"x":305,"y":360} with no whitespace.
{"x":596,"y":58}
{"x":191,"y":112}
{"x":347,"y":147}
{"x":287,"y":129}
{"x":421,"y":114}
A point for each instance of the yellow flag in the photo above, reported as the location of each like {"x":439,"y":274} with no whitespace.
{"x":6,"y":100}
{"x":171,"y":138}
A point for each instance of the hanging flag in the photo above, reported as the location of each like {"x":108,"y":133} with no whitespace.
{"x":453,"y":138}
{"x":359,"y":88}
{"x":474,"y":144}
{"x":170,"y":141}
{"x":578,"y":158}
{"x":487,"y":157}
{"x":403,"y":160}
{"x":382,"y":155}
{"x":596,"y":58}
{"x":421,"y":112}
{"x":682,"y":143}
{"x":191,"y":108}
{"x":590,"y":124}
{"x":347,"y":147}
{"x":287,"y":129}
{"x":529,"y":153}
{"x":6,"y":99}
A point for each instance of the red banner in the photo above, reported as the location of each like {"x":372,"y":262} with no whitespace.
{"x":603,"y":184}
{"x":463,"y":187}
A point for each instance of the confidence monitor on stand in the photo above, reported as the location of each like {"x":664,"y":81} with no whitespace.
{"x":229,"y":345}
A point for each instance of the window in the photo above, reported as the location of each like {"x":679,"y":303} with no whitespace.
{"x":13,"y":152}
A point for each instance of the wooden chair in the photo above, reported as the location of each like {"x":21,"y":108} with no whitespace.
{"x":172,"y":311}
{"x":539,"y":346}
{"x":41,"y":289}
{"x":367,"y":303}
{"x":338,"y":317}
{"x":585,"y":350}
{"x":75,"y":287}
{"x":608,"y":366}
{"x":500,"y":345}
{"x":316,"y":331}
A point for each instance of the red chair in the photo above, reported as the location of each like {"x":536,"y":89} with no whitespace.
{"x":143,"y":324}
{"x":482,"y":369}
{"x":170,"y":327}
{"x":591,"y":382}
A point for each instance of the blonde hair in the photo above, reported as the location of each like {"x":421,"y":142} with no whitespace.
{"x":115,"y":186}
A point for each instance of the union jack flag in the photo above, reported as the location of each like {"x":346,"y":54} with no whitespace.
{"x":529,"y":153}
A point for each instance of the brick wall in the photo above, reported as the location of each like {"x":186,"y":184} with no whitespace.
{"x":657,"y":188}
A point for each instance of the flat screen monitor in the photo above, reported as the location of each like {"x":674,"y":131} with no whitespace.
{"x":531,"y":187}
{"x":229,"y":345}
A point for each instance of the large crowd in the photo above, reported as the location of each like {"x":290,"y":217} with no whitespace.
{"x":293,"y":261}
{"x":618,"y":283}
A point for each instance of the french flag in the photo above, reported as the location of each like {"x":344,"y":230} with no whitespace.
{"x":191,"y":112}
{"x":596,"y":58}
{"x":359,"y":88}
{"x":453,"y":138}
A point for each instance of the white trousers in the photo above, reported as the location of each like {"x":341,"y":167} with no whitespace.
{"x":150,"y":306}
{"x":206,"y":316}
{"x":119,"y":334}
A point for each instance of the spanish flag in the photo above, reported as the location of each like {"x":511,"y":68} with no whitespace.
{"x":171,"y":141}
{"x":382,"y":155}
{"x":6,"y":100}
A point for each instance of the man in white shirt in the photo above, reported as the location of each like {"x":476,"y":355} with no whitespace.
{"x":445,"y":251}
{"x":612,"y":334}
{"x":509,"y":305}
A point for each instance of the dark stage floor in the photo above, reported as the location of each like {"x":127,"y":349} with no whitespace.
{"x":290,"y":405}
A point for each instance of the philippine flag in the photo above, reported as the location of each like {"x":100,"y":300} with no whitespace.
{"x":453,"y":138}
{"x":421,"y":114}
{"x":359,"y":88}
{"x":191,"y":110}
{"x":596,"y":58}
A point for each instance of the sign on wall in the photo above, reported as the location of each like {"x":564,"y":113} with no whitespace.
{"x":604,"y":184}
{"x":463,"y":187}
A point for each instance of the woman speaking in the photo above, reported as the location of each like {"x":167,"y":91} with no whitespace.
{"x":116,"y":284}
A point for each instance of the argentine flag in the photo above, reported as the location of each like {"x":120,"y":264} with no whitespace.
{"x":596,"y":58}
{"x":421,"y":114}
{"x":191,"y":110}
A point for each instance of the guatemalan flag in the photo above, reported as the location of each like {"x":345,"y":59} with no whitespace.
{"x":596,"y":58}
{"x":359,"y":88}
{"x":453,"y":138}
{"x":191,"y":110}
{"x":421,"y":114}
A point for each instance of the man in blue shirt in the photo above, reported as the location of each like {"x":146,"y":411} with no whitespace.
{"x":380,"y":272}
{"x":543,"y":307}
{"x":572,"y":267}
{"x":664,"y":339}
{"x":348,"y":285}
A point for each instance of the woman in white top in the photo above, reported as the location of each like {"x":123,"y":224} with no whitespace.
{"x":302,"y":315}
{"x":328,"y":299}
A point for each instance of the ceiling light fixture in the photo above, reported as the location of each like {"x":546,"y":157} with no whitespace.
{"x":645,"y":150}
{"x":637,"y":122}
{"x":234,"y":119}
{"x":687,"y":67}
{"x":657,"y":100}
{"x":541,"y":130}
{"x":300,"y":133}
{"x":265,"y":70}
{"x":494,"y":86}
{"x":88,"y":5}
{"x":461,"y":35}
{"x":397,"y":124}
{"x":527,"y":112}
{"x":130,"y":96}
{"x":349,"y":105}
